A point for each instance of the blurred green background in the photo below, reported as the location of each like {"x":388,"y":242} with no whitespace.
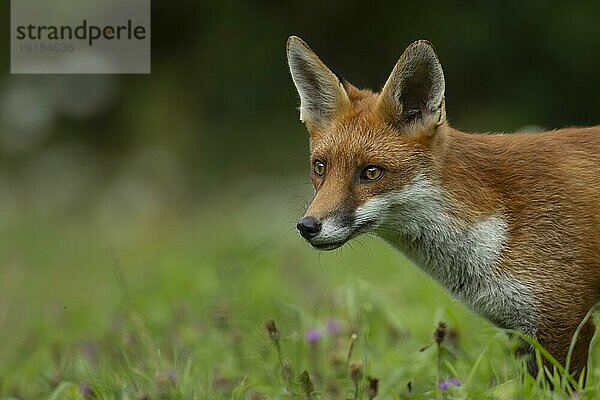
{"x":175,"y":181}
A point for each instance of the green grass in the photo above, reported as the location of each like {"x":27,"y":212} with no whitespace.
{"x":178,"y":307}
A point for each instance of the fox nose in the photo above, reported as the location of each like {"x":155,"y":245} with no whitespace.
{"x":309,"y":227}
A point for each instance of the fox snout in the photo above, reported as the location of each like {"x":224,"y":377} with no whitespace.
{"x":309,"y":227}
{"x":326,"y":232}
{"x":332,"y":230}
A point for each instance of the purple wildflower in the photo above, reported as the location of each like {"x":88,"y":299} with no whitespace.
{"x":86,"y":390}
{"x":444,"y":385}
{"x":171,"y":376}
{"x":313,"y":335}
{"x":334,"y":327}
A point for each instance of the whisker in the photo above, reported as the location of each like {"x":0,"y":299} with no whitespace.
{"x":362,"y":246}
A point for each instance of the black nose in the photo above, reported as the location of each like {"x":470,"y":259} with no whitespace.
{"x":309,"y":227}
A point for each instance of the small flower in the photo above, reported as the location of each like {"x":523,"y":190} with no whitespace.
{"x":313,"y":335}
{"x":334,"y":327}
{"x":306,"y":383}
{"x":287,"y":370}
{"x":444,"y":385}
{"x":440,"y":333}
{"x":86,"y":390}
{"x":165,"y":380}
{"x":273,"y":332}
{"x":356,"y":371}
{"x":373,"y":387}
{"x":171,"y":376}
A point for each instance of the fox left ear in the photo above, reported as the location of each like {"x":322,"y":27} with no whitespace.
{"x":321,"y":92}
{"x":413,"y":95}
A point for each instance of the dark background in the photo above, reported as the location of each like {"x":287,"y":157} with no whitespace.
{"x":220,"y":106}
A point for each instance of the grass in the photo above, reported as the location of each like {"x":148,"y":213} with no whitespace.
{"x":224,"y":301}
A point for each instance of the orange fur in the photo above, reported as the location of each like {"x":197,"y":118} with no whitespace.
{"x":546,"y":185}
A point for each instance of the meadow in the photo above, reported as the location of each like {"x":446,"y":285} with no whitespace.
{"x":147,"y":222}
{"x":222,"y":300}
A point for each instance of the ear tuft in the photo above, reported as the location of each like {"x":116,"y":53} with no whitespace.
{"x":414,"y":92}
{"x":321,"y":92}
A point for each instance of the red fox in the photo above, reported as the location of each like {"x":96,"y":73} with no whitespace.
{"x":508,"y":223}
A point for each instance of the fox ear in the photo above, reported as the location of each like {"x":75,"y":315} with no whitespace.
{"x":413,"y":95}
{"x":321,"y":92}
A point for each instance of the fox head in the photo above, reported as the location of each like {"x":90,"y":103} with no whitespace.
{"x":365,"y":148}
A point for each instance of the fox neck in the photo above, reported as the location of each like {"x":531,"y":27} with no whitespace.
{"x":465,"y":257}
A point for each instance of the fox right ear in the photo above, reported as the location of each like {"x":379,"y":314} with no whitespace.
{"x":321,"y":92}
{"x":413,"y":95}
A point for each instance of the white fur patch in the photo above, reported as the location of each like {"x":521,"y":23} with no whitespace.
{"x":464,"y":258}
{"x":332,"y":232}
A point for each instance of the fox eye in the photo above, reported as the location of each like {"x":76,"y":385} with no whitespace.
{"x":371,"y":173}
{"x":319,"y":167}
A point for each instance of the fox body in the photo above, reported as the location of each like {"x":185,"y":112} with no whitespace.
{"x":508,"y":224}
